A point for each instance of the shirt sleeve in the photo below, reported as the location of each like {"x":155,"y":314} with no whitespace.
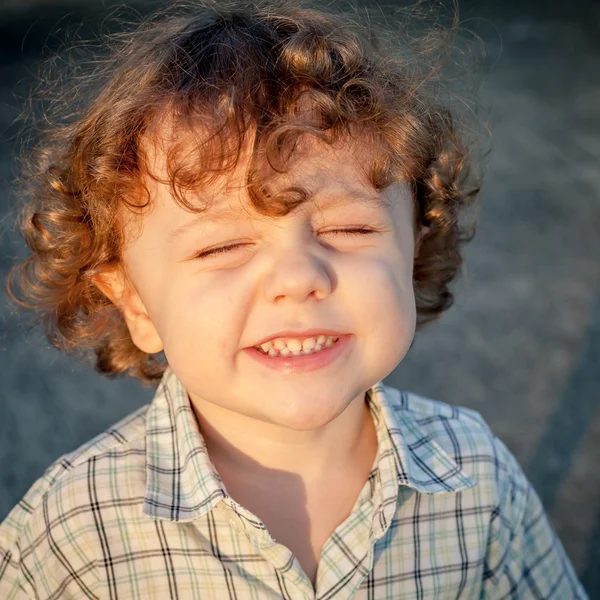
{"x":41,"y":554}
{"x":525,"y":559}
{"x":14,"y":581}
{"x":11,"y":585}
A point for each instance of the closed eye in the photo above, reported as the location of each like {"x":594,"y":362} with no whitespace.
{"x":229,"y":247}
{"x":218,"y":250}
{"x":351,"y":231}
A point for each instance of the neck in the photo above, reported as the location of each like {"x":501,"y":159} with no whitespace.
{"x":238,"y":443}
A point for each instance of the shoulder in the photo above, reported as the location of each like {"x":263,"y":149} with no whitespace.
{"x":523,"y":557}
{"x":49,"y":539}
{"x":69,"y":480}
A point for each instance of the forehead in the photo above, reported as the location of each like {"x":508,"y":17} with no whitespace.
{"x":323,"y":174}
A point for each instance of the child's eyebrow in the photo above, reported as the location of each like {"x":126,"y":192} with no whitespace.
{"x":329,"y":200}
{"x":221,"y":216}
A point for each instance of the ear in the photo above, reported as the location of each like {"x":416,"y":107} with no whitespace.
{"x":119,"y":289}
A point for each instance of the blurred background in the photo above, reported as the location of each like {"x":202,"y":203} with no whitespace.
{"x":521,"y":345}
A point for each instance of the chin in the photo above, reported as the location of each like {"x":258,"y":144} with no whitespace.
{"x":306,"y":411}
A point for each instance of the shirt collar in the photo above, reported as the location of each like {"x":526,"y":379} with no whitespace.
{"x":182,"y":483}
{"x":420,"y":462}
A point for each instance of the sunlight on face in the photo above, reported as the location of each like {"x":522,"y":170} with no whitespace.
{"x":216,"y":285}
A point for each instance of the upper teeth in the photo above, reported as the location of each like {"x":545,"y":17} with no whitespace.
{"x":295,"y":347}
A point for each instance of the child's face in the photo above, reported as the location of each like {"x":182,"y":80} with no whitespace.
{"x":287,"y":274}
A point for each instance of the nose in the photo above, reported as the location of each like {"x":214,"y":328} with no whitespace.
{"x":296,"y":274}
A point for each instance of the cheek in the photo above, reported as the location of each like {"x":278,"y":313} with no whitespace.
{"x":384,"y":302}
{"x":201,"y":319}
{"x":384,"y":282}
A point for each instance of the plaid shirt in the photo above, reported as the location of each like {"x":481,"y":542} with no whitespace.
{"x":140,"y":513}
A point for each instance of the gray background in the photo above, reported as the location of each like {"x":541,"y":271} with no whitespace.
{"x":522,"y":343}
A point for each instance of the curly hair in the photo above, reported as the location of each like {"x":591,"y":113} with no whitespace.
{"x":223,"y":72}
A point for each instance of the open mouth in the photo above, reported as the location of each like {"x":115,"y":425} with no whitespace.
{"x":281,"y":347}
{"x":302,"y":354}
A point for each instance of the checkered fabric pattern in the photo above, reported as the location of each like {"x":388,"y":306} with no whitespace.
{"x":141,"y":513}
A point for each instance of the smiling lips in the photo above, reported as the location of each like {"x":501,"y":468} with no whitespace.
{"x":296,"y":353}
{"x":295,"y":347}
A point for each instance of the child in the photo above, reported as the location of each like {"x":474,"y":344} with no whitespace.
{"x":254,"y":211}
